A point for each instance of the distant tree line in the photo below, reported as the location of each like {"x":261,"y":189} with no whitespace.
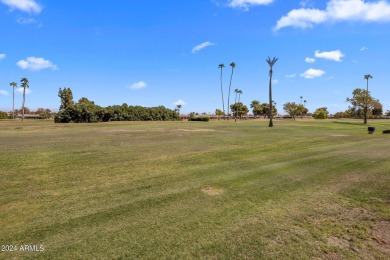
{"x":86,"y":111}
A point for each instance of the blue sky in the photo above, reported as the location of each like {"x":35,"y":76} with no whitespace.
{"x":156,"y":52}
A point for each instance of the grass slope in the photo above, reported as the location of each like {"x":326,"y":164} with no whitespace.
{"x":218,"y":190}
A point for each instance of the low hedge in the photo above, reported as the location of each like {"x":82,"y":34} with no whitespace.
{"x":199,"y":118}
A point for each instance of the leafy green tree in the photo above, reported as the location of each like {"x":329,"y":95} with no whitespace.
{"x":13,"y":85}
{"x":271,"y":63}
{"x":362,"y":102}
{"x":321,"y":113}
{"x":221,"y":66}
{"x":24,"y":84}
{"x":291,"y":108}
{"x":239,"y":109}
{"x":256,"y":108}
{"x":3,"y":115}
{"x":233,"y":65}
{"x":66,"y":97}
{"x":219,"y":113}
{"x":377,"y":109}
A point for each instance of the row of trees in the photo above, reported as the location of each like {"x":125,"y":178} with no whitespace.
{"x":362,"y":102}
{"x":86,"y":111}
{"x":24,"y":83}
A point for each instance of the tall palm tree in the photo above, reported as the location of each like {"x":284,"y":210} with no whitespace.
{"x":366,"y":77}
{"x":271,"y":63}
{"x":13,"y":85}
{"x":233,"y":65}
{"x":221,"y":66}
{"x":304,"y":103}
{"x":239,"y":94}
{"x":24,"y":84}
{"x":178,"y":107}
{"x":301,"y":99}
{"x":236,"y":91}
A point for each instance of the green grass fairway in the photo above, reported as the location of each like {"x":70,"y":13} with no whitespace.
{"x":305,"y":189}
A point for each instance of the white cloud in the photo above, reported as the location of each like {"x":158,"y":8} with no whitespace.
{"x":2,"y":56}
{"x":179,"y":102}
{"x":3,"y":93}
{"x":364,"y":48}
{"x":246,"y":3}
{"x":275,"y":81}
{"x":290,"y":76}
{"x":20,"y":91}
{"x":310,"y":60}
{"x":312,"y":73}
{"x":202,"y":46}
{"x":337,"y":11}
{"x":336,"y":55}
{"x":28,"y":6}
{"x":36,"y":64}
{"x":138,"y":85}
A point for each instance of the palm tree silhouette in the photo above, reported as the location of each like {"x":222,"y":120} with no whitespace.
{"x":271,"y":63}
{"x":233,"y":65}
{"x":221,"y":66}
{"x":25,"y":84}
{"x":13,"y":85}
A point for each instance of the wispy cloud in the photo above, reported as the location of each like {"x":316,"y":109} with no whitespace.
{"x":245,"y":4}
{"x":202,"y":46}
{"x":36,"y":64}
{"x":312,"y":73}
{"x":28,"y":6}
{"x":179,"y":102}
{"x":20,"y":91}
{"x":310,"y":60}
{"x":364,"y":48}
{"x":23,"y":20}
{"x":138,"y":85}
{"x":2,"y":56}
{"x":290,"y":76}
{"x":336,"y":55}
{"x":3,"y":93}
{"x":337,"y":11}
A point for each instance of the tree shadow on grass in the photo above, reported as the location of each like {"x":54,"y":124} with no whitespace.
{"x":349,"y":123}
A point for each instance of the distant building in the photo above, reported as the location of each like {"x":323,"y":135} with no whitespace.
{"x":29,"y":116}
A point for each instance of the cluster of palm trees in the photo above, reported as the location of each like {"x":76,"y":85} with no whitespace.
{"x":271,"y":63}
{"x":221,"y":66}
{"x":24,"y":83}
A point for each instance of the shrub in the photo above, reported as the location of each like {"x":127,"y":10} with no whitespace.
{"x":199,"y":118}
{"x":4,"y":115}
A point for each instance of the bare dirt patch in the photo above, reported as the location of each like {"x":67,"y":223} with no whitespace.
{"x":381,"y":235}
{"x":213,"y":191}
{"x":122,"y":131}
{"x":195,"y":130}
{"x":338,"y":242}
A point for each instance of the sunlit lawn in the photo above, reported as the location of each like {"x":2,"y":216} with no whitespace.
{"x":180,"y":190}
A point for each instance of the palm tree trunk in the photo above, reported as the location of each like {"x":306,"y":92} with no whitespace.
{"x":223,"y":101}
{"x":24,"y":98}
{"x":270,"y":99}
{"x":13,"y":103}
{"x":230,"y":84}
{"x":366,"y":106}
